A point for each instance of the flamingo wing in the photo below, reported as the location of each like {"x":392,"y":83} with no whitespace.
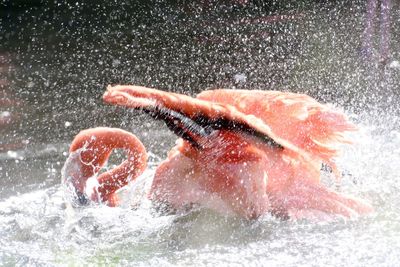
{"x":200,"y":111}
{"x":297,"y":119}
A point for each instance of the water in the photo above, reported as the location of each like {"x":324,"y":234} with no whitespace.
{"x":59,"y":72}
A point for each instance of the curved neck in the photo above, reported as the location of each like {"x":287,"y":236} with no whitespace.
{"x":95,"y":146}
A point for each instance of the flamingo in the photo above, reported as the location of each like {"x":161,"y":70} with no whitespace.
{"x":240,"y":152}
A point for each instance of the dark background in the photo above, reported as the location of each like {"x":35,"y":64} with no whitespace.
{"x":59,"y":56}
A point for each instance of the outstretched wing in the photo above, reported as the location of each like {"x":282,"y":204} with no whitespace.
{"x":296,"y":122}
{"x":295,"y":118}
{"x":195,"y":109}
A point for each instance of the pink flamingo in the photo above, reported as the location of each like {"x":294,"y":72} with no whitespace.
{"x":240,"y":152}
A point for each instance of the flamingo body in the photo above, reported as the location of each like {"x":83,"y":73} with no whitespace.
{"x":240,"y":152}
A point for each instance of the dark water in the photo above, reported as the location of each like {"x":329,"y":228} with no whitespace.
{"x":65,"y":53}
{"x":57,"y":58}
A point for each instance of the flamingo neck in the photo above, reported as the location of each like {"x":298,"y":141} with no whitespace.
{"x":94,"y":147}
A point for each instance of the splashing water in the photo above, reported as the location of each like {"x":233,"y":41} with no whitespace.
{"x":66,"y":53}
{"x":41,"y":227}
